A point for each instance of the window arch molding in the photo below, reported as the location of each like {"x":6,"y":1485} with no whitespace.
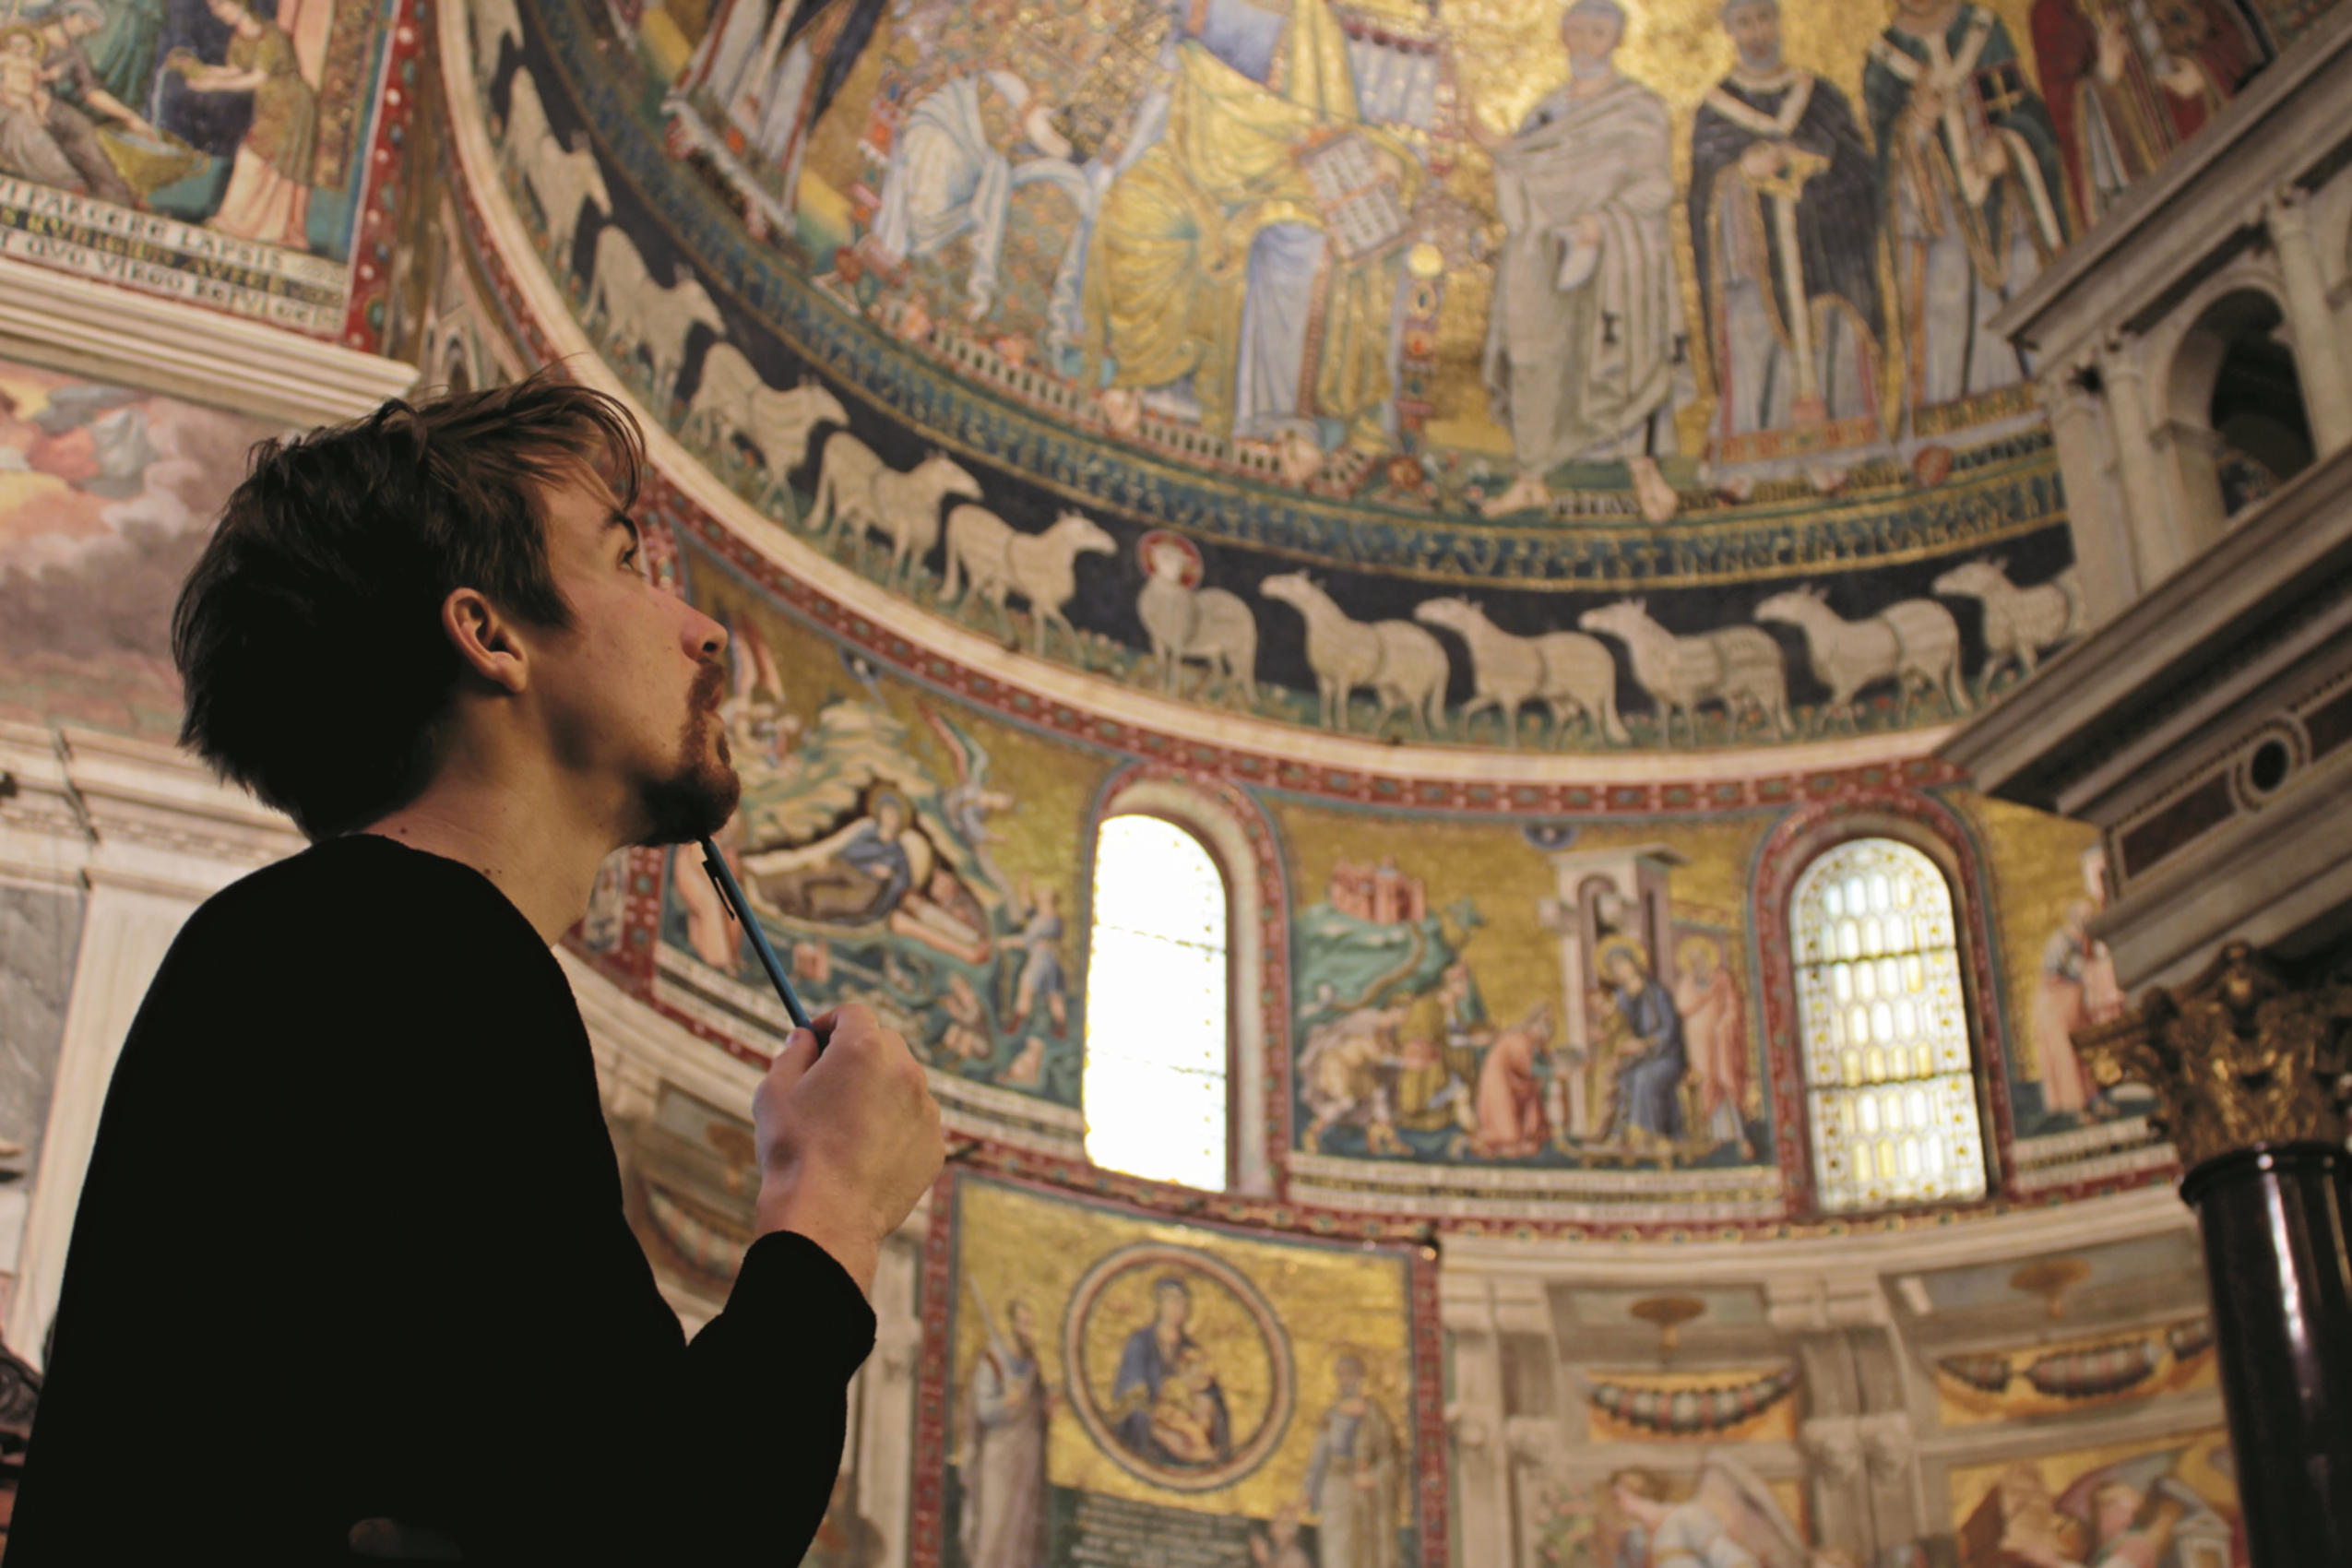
{"x":1239,"y":842}
{"x":1928,"y":827}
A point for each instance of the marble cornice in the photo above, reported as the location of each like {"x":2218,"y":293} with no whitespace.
{"x":208,"y":356}
{"x":2185,"y":655}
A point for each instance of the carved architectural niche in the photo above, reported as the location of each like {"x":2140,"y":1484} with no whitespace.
{"x":2156,"y":337}
{"x":2238,"y":1057}
{"x":2201,"y":725}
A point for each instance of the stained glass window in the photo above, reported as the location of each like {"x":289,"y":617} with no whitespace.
{"x":1890,"y":1078}
{"x":1156,"y":1011}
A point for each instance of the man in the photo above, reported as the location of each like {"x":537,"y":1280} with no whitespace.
{"x":408,"y":1318}
{"x":1784,"y":227}
{"x":1586,"y":354}
{"x":1969,"y":166}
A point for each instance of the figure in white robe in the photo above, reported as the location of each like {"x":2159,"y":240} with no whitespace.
{"x":1352,"y":1477}
{"x":1003,"y":1523}
{"x":949,"y":180}
{"x":1586,"y":354}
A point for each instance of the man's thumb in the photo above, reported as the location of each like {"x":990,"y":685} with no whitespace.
{"x":798,"y":1056}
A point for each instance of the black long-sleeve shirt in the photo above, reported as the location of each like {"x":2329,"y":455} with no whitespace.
{"x":351,"y":1246}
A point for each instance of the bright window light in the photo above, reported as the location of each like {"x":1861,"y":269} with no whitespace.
{"x":1890,"y":1076}
{"x":1156,"y":1010}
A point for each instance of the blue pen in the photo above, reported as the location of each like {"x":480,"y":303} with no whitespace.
{"x":731,"y":893}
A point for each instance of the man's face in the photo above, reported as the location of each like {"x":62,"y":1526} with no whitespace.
{"x":1173,"y":1309}
{"x":1024,"y":1322}
{"x":630,"y":695}
{"x":1590,"y":39}
{"x":1620,"y":968}
{"x":1755,"y":31}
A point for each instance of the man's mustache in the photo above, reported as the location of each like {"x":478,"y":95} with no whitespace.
{"x":709,"y":688}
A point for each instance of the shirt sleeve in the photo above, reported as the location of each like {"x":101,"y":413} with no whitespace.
{"x":567,"y":1416}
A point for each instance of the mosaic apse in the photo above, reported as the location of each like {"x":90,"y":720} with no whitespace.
{"x":1447,"y":374}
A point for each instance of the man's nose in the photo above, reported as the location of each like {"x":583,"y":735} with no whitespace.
{"x":705,"y":636}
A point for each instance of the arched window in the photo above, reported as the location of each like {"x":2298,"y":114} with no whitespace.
{"x":1155,"y":1085}
{"x":1890,"y":1078}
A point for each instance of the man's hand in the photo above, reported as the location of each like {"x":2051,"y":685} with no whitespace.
{"x":848,"y":1140}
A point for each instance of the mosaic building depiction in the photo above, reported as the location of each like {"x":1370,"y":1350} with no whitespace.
{"x":1557,"y":721}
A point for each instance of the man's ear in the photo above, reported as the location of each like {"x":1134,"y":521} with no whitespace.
{"x":488,"y":641}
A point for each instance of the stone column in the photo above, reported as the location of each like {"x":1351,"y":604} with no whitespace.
{"x":2251,"y":1074}
{"x":2102,"y":544}
{"x":2319,"y":349}
{"x":1478,"y":1424}
{"x":2159,"y":544}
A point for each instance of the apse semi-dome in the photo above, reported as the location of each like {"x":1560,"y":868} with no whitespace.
{"x":1385,"y":440}
{"x":1308,"y":365}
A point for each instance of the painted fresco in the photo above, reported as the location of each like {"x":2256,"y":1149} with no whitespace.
{"x":1544,"y":995}
{"x":1724,"y":1513}
{"x":900,"y":850}
{"x":2074,"y":1374}
{"x":1626,"y":378}
{"x":2173,"y":1504}
{"x":1121,"y":1390}
{"x":107,"y":495}
{"x":216,"y":151}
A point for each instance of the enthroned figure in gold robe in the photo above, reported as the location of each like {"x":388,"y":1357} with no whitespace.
{"x":1214,"y":286}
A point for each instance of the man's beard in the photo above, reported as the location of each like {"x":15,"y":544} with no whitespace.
{"x":697,"y":801}
{"x":1762,"y":62}
{"x":1586,"y":70}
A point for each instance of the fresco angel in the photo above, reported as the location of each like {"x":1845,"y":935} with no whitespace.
{"x":1730,"y":1521}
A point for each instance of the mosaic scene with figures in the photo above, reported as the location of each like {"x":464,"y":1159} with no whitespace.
{"x":1301,"y":783}
{"x":1272,"y":304}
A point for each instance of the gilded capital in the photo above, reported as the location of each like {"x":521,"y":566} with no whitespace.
{"x":2236,"y":1057}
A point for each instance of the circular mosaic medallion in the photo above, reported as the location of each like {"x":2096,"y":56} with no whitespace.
{"x":1179,"y":1369}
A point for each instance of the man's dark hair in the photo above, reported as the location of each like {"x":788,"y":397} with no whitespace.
{"x":309,"y":634}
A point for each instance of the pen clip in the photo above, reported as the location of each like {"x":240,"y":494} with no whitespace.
{"x":726,"y":898}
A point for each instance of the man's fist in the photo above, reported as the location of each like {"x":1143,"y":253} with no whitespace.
{"x":848,"y":1137}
